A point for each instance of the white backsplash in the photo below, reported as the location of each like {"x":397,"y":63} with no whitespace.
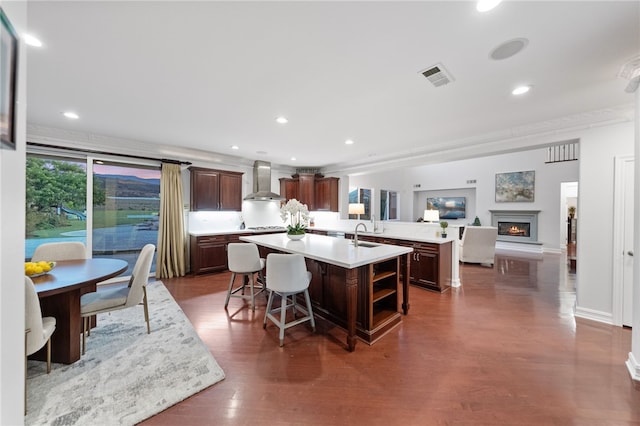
{"x":214,"y":221}
{"x":261,"y":213}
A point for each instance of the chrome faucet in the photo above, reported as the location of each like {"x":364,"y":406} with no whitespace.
{"x":375,"y":224}
{"x":355,"y":238}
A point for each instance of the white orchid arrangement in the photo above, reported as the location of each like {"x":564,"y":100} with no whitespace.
{"x":297,"y":214}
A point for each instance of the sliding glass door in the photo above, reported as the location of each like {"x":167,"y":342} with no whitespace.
{"x":56,"y":206}
{"x":126,"y":203}
{"x":123,"y":200}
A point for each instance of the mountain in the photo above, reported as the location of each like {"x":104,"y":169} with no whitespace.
{"x":128,"y":186}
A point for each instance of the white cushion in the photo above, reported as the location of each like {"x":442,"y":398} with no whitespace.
{"x":103,"y":299}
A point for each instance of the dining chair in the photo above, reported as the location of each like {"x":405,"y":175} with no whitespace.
{"x":40,"y":328}
{"x":68,"y":250}
{"x":113,"y":298}
{"x":287,"y":276}
{"x":244,"y":259}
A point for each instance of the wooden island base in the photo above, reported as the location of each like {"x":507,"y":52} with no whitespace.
{"x":357,"y":288}
{"x":372,"y":291}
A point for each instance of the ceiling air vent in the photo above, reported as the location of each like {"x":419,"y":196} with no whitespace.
{"x":437,"y":75}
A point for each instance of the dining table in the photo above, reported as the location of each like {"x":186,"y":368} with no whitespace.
{"x":59,"y":291}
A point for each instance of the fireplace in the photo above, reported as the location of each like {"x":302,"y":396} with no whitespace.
{"x":516,"y":226}
{"x":517,"y":229}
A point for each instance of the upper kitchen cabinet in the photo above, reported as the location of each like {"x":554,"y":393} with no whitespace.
{"x":314,"y":190}
{"x":326,"y":196}
{"x":215,"y":190}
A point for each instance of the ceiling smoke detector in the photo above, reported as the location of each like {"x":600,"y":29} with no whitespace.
{"x":437,"y":75}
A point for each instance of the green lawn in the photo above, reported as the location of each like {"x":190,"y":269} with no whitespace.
{"x":101,"y":219}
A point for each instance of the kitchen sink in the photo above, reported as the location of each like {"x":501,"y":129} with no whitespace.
{"x":365,"y":244}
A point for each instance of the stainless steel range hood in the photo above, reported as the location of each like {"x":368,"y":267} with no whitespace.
{"x":262,"y":183}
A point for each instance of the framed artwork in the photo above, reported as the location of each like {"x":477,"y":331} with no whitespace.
{"x":515,"y":187}
{"x":448,"y":207}
{"x":8,"y":77}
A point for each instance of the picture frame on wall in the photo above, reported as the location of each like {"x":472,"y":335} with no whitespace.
{"x":8,"y":82}
{"x":448,"y":207}
{"x":515,"y":187}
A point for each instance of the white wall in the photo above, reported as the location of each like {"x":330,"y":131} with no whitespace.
{"x":12,"y":225}
{"x":450,"y":179}
{"x":594,"y":172}
{"x":598,"y":148}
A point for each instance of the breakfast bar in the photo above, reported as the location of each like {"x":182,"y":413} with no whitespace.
{"x":355,"y":287}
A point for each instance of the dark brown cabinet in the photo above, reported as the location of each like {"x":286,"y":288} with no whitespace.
{"x":326,"y":194}
{"x":384,"y":282}
{"x":289,"y":189}
{"x":215,"y":189}
{"x":430,"y":263}
{"x":431,"y":266}
{"x":317,"y":192}
{"x":208,"y":254}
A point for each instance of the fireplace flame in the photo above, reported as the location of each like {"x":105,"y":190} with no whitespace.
{"x":515,"y":230}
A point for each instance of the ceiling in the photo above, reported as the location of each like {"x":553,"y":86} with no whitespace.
{"x":209,"y":75}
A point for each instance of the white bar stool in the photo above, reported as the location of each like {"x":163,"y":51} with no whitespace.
{"x":244,"y":259}
{"x":287,"y":275}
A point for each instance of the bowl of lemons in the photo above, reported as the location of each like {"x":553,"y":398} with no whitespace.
{"x":35,"y":269}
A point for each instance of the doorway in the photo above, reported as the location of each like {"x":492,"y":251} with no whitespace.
{"x":623,"y":241}
{"x":569,"y":222}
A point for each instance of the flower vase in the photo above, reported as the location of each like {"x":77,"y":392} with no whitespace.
{"x":295,"y":237}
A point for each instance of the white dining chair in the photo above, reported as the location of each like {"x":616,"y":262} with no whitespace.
{"x":67,"y":250}
{"x":40,"y":328}
{"x":113,"y":298}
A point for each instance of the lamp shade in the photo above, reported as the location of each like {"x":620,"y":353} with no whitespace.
{"x":431,"y":216}
{"x":356,"y":208}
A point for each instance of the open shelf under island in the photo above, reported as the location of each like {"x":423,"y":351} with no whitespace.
{"x":357,"y":288}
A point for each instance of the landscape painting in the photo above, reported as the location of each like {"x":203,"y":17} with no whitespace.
{"x":515,"y":186}
{"x":448,"y":207}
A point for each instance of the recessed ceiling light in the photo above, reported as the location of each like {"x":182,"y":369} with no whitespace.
{"x":293,"y":158}
{"x":282,"y":120}
{"x":71,"y":115}
{"x":521,"y":90}
{"x":235,"y":147}
{"x":348,"y":142}
{"x":31,"y":40}
{"x":486,"y":5}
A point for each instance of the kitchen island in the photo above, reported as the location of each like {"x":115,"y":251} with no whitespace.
{"x":356,"y":288}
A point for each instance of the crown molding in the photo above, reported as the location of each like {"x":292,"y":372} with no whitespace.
{"x":529,"y":136}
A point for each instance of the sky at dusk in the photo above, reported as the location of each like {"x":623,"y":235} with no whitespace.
{"x":103,"y":169}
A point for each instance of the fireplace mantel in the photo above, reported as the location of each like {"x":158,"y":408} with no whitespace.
{"x":529,"y":217}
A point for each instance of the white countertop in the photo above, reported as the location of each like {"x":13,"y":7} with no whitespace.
{"x":409,"y":236}
{"x":336,"y":251}
{"x":407,"y":232}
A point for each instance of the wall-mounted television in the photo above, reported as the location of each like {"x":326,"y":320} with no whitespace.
{"x":448,"y":207}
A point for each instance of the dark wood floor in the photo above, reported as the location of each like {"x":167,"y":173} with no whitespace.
{"x":504,"y":349}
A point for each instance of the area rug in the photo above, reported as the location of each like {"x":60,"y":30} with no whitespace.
{"x":126,"y":374}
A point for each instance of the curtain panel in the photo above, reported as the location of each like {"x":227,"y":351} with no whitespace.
{"x":170,"y":261}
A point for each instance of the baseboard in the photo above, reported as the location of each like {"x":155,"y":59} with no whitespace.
{"x":593,"y":315}
{"x":633,"y":367}
{"x":553,"y":250}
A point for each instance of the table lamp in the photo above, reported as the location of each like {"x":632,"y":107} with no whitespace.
{"x":356,"y":208}
{"x":431,"y":216}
